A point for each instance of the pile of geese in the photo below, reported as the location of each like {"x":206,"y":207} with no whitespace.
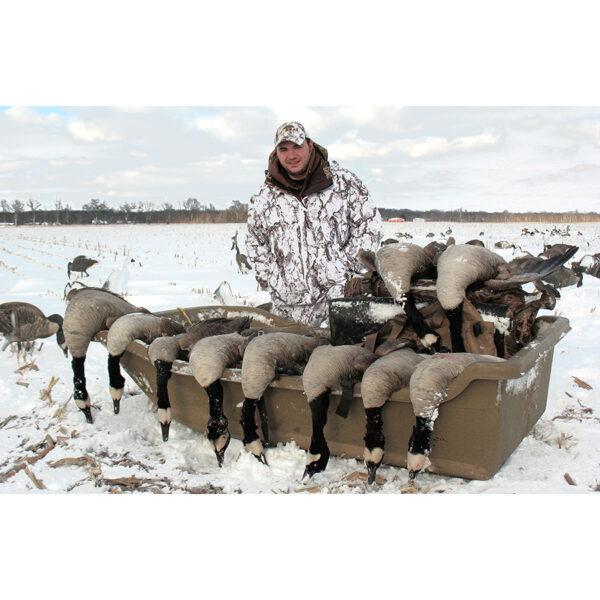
{"x":264,"y":353}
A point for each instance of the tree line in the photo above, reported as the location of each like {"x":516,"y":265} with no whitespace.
{"x":98,"y":212}
{"x":193,"y":211}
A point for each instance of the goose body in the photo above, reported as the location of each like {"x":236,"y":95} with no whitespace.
{"x":397,"y":264}
{"x":24,"y":322}
{"x":265,"y":355}
{"x":163,"y":352}
{"x":80,"y":264}
{"x":429,"y":386}
{"x":141,"y":326}
{"x":209,"y":357}
{"x":385,"y":376}
{"x":86,"y":315}
{"x":329,"y":369}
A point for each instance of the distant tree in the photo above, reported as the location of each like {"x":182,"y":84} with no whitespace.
{"x":58,"y":206}
{"x":33,"y":206}
{"x":192,"y":204}
{"x":17,"y":207}
{"x":127,"y":208}
{"x":95,"y":205}
{"x":5,"y":206}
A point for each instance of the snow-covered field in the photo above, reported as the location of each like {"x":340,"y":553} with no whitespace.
{"x":182,"y":266}
{"x":77,"y":534}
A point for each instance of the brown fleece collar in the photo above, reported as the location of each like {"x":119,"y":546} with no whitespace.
{"x":318,"y":175}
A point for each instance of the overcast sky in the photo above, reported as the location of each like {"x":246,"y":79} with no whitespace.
{"x":369,"y":81}
{"x":431,"y":157}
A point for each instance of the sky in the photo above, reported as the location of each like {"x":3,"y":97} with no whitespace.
{"x":428,"y":157}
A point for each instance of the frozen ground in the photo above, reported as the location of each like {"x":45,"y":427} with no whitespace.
{"x":181,"y":266}
{"x":430,"y":537}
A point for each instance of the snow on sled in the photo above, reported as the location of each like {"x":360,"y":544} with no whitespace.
{"x":490,"y":408}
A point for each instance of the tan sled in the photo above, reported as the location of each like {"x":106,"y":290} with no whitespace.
{"x":490,"y":407}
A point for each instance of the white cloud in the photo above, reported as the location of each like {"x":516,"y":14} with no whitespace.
{"x":148,"y":176}
{"x":138,"y":154}
{"x":13,"y":165}
{"x":57,"y":163}
{"x":88,"y":132}
{"x":216,"y":125}
{"x":586,"y":129}
{"x":442,"y":145}
{"x":29,"y":116}
{"x":376,"y":171}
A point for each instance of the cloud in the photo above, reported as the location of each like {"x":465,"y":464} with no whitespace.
{"x":362,"y":149}
{"x":57,"y":163}
{"x":586,"y":129}
{"x":147,"y":176}
{"x":89,"y":133}
{"x":215,"y":125}
{"x":29,"y":116}
{"x":13,"y":165}
{"x":442,"y":145}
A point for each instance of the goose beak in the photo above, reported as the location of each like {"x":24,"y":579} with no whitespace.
{"x":220,"y":445}
{"x":317,"y":463}
{"x":372,"y":471}
{"x":165,"y":431}
{"x":412,"y":474}
{"x":256,"y":449}
{"x":66,"y":352}
{"x":87,"y":411}
{"x":116,"y":406}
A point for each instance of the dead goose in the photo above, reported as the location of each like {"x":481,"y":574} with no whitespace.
{"x":397,"y":264}
{"x":329,"y":369}
{"x":24,"y":322}
{"x":385,"y":376}
{"x":429,"y":386}
{"x":85,"y":316}
{"x":267,"y":356}
{"x":462,"y":265}
{"x":125,"y":329}
{"x":209,"y":357}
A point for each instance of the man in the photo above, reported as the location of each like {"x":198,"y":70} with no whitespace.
{"x":305,"y":227}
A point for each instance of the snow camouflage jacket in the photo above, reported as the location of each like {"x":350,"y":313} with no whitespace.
{"x":304,"y":250}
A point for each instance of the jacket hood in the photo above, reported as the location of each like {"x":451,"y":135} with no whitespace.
{"x":318,"y":174}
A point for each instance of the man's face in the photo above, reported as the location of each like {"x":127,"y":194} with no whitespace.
{"x":294,"y":158}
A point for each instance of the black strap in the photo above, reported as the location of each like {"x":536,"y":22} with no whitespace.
{"x":343,"y":407}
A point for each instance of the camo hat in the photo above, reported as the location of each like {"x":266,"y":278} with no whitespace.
{"x":291,"y":132}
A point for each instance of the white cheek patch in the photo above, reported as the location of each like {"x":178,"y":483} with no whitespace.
{"x":255,"y":447}
{"x":311,"y":458}
{"x":82,"y":404}
{"x":417,"y":462}
{"x":374,"y":456}
{"x":429,"y":340}
{"x":116,"y":393}
{"x":220,"y":442}
{"x":164,"y":415}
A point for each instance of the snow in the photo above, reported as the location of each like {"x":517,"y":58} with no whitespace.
{"x":182,"y":266}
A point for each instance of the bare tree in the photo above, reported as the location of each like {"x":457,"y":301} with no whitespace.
{"x":17,"y":207}
{"x":33,"y":206}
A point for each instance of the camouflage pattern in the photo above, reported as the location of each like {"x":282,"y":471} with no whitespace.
{"x":303,"y":250}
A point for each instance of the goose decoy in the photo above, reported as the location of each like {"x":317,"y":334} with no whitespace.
{"x":80,"y":264}
{"x":23,"y":322}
